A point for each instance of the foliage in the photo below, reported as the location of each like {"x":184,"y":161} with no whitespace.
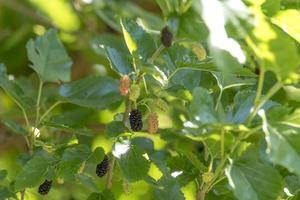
{"x":225,"y":93}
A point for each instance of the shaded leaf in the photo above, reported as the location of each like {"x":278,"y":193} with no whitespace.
{"x":134,"y":165}
{"x":95,"y":92}
{"x":49,"y":58}
{"x":72,"y":160}
{"x":34,"y":170}
{"x":252,"y":180}
{"x":13,"y":89}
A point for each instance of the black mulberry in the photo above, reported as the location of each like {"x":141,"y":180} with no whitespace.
{"x":103,"y":167}
{"x":135,"y":119}
{"x":45,"y":187}
{"x":166,"y":37}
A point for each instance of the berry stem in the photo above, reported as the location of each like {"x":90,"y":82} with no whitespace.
{"x":110,"y":173}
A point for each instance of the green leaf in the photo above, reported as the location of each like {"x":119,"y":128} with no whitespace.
{"x":97,"y":156}
{"x":3,"y":174}
{"x":78,"y":130}
{"x":95,"y":92}
{"x":14,"y":90}
{"x":99,"y":43}
{"x":72,"y":160}
{"x":170,"y":192}
{"x":138,"y":41}
{"x":105,"y":195}
{"x":252,"y":180}
{"x":49,"y":58}
{"x":115,"y":128}
{"x":271,"y":7}
{"x":203,"y":112}
{"x":34,"y":170}
{"x":293,"y":184}
{"x":5,"y":193}
{"x":288,"y":20}
{"x":182,"y":163}
{"x":226,"y":81}
{"x":134,"y":165}
{"x":283,"y":146}
{"x":274,"y":49}
{"x":88,"y":182}
{"x":119,"y":62}
{"x":13,"y":126}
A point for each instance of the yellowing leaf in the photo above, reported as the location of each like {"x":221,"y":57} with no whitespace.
{"x":288,"y":20}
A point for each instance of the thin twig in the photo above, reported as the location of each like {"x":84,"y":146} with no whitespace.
{"x":112,"y":164}
{"x":22,"y":194}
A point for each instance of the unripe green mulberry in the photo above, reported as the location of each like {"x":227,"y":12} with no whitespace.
{"x":207,"y":177}
{"x":134,"y":92}
{"x":159,"y":104}
{"x":103,"y":167}
{"x":135,"y":119}
{"x":45,"y":187}
{"x":199,"y":50}
{"x":152,"y":122}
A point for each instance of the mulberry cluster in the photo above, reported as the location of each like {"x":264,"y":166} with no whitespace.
{"x":45,"y":187}
{"x":166,"y":37}
{"x":103,"y":167}
{"x":135,"y":119}
{"x":124,"y":85}
{"x":152,"y":122}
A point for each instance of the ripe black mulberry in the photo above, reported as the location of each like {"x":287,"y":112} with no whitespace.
{"x":45,"y":187}
{"x":166,"y":37}
{"x":103,"y":167}
{"x":135,"y":119}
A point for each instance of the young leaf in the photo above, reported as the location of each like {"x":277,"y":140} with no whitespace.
{"x":49,"y":58}
{"x":34,"y":170}
{"x":133,"y":164}
{"x":94,"y":92}
{"x":137,"y":40}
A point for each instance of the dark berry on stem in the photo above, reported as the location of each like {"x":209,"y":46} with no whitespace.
{"x":45,"y":187}
{"x":103,"y":167}
{"x":135,"y":119}
{"x":166,"y":37}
